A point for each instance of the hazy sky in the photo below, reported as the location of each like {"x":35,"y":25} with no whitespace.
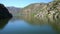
{"x":21,"y":3}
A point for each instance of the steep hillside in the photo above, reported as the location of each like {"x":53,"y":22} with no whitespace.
{"x":42,"y":11}
{"x":33,"y":9}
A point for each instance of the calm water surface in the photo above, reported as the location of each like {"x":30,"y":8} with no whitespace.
{"x":18,"y":26}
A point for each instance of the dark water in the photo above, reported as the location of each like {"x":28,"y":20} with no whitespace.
{"x":18,"y":26}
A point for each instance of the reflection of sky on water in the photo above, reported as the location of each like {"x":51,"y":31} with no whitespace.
{"x":20,"y":26}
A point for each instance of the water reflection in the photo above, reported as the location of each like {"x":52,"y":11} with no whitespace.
{"x":3,"y":22}
{"x":23,"y":27}
{"x":33,"y":25}
{"x":54,"y":22}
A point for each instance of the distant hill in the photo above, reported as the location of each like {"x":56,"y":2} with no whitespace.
{"x":14,"y":10}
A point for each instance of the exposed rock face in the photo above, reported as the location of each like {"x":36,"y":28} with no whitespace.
{"x":4,"y":13}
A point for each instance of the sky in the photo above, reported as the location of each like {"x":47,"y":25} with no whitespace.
{"x":21,"y":3}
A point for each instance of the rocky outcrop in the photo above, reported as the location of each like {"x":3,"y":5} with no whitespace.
{"x":4,"y":13}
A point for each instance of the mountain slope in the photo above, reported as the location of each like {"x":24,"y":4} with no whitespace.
{"x":14,"y":10}
{"x":41,"y":12}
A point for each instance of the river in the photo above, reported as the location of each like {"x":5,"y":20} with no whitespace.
{"x":19,"y":26}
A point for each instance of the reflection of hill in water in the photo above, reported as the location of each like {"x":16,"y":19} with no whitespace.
{"x":55,"y":23}
{"x":15,"y":18}
{"x":3,"y":22}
